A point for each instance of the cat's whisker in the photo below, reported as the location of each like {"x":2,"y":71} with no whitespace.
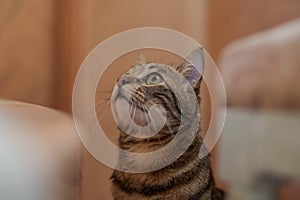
{"x":94,"y":106}
{"x":170,"y":129}
{"x":104,"y":99}
{"x":101,"y":111}
{"x":148,"y":122}
{"x":87,"y":108}
{"x":167,"y":123}
{"x":104,"y":91}
{"x":134,"y":111}
{"x":157,"y":134}
{"x":104,"y":102}
{"x":105,"y":109}
{"x":131,"y":108}
{"x":106,"y":116}
{"x":95,"y":134}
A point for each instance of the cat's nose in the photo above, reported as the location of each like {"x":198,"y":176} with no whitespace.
{"x":123,"y":80}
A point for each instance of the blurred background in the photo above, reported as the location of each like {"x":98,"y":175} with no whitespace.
{"x":42,"y":44}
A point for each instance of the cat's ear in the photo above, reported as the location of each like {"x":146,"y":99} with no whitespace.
{"x":141,"y":59}
{"x":193,"y":67}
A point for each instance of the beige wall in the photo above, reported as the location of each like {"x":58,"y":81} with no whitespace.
{"x":27,"y":50}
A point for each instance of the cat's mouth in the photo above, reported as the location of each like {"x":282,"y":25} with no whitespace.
{"x":139,"y":115}
{"x":137,"y":111}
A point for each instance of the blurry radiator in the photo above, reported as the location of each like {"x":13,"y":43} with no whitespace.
{"x":259,"y":150}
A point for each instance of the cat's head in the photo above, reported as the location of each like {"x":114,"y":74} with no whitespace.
{"x":148,"y":84}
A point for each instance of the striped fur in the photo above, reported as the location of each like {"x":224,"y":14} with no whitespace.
{"x":187,"y":178}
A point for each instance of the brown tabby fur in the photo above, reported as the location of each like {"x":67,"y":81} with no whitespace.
{"x":188,"y":178}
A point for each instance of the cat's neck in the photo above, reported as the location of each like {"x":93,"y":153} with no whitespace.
{"x":189,"y":168}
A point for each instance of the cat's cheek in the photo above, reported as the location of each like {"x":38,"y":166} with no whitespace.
{"x":121,"y":111}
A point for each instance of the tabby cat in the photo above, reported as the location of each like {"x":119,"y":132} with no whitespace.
{"x":188,"y":176}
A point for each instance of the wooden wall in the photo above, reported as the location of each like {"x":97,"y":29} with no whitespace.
{"x":234,"y":19}
{"x":105,"y":18}
{"x":27,"y":57}
{"x":42,"y":44}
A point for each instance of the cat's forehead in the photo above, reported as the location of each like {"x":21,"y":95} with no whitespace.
{"x":144,"y":69}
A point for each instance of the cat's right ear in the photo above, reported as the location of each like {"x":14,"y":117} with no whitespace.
{"x":141,"y":59}
{"x":193,"y":67}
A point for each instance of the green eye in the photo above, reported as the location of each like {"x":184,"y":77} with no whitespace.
{"x":153,"y":79}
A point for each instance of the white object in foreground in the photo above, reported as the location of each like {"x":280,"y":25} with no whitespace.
{"x":39,"y":153}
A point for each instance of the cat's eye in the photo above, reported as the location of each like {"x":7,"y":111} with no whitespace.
{"x":153,"y":79}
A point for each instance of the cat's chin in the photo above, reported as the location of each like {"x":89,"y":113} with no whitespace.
{"x":136,"y":121}
{"x":124,"y":112}
{"x":139,"y":116}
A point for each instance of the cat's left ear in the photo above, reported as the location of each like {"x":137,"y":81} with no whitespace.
{"x":193,"y":67}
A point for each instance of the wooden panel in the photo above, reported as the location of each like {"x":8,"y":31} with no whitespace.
{"x":26,"y":50}
{"x":237,"y":18}
{"x":105,"y":18}
{"x":70,"y":51}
